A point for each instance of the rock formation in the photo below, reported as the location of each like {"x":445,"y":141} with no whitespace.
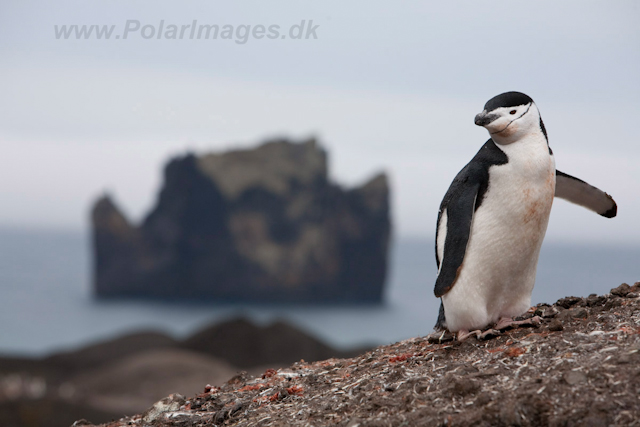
{"x":263,"y":225}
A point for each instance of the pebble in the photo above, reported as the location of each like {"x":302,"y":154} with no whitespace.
{"x":574,"y":377}
{"x":580,"y":312}
{"x":555,"y":325}
{"x":568,"y":301}
{"x":621,"y":290}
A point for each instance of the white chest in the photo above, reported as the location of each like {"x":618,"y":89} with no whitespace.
{"x":520,"y":193}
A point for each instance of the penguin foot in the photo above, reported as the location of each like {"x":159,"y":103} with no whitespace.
{"x":508,"y":323}
{"x":503,"y":324}
{"x":480,"y":335}
{"x":464,"y":335}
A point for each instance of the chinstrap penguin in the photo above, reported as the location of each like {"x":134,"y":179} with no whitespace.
{"x":494,"y":216}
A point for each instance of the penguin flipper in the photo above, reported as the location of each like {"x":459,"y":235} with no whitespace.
{"x":579,"y":192}
{"x":456,"y":216}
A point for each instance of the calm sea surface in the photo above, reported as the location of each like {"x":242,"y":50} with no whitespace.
{"x":46,"y":303}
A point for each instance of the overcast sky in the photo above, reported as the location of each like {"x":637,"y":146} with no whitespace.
{"x":388,"y":86}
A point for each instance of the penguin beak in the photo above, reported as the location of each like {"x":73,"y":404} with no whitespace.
{"x":485,"y":118}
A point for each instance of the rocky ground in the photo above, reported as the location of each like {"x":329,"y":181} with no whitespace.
{"x":579,"y":367}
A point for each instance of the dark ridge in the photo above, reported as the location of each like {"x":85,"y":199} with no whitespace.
{"x":100,"y":353}
{"x":245,"y":345}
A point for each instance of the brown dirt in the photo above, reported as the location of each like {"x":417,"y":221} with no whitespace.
{"x":580,"y":367}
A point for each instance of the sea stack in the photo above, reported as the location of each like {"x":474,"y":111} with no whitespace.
{"x":256,"y":225}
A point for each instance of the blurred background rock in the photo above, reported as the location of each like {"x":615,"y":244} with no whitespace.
{"x":263,"y":225}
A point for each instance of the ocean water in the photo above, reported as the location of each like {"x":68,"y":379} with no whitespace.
{"x":46,"y":303}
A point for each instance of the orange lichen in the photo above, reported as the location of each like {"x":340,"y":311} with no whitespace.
{"x":252,"y":387}
{"x":401,"y":358}
{"x":629,"y":330}
{"x":269,"y":373}
{"x":297,"y":390}
{"x":211,"y":389}
{"x":514,"y":352}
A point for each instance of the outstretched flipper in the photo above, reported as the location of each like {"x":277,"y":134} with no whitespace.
{"x":579,"y":192}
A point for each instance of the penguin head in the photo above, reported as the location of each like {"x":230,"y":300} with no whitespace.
{"x":509,"y":117}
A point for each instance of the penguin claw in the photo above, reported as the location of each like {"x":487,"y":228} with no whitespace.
{"x":464,"y":335}
{"x":488,"y":334}
{"x":440,"y":337}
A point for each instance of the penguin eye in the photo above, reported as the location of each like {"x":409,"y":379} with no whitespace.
{"x":512,"y":112}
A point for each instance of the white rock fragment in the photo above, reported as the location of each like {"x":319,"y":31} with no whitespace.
{"x":171,"y":403}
